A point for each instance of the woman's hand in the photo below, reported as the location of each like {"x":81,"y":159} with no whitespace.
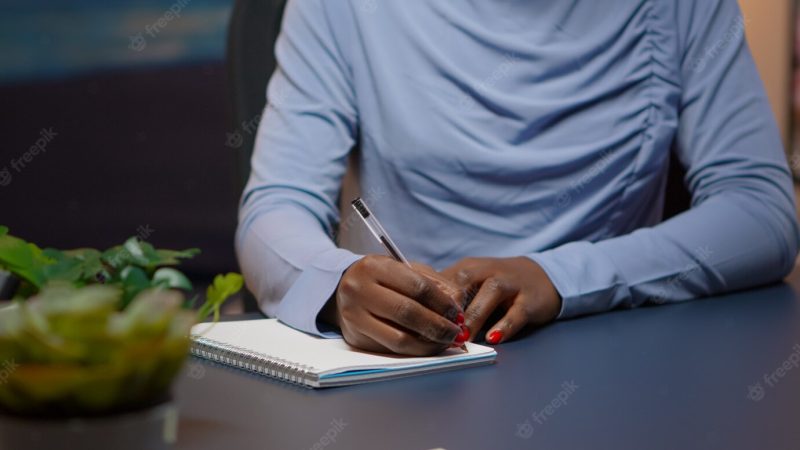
{"x":381,"y":305}
{"x":516,"y":287}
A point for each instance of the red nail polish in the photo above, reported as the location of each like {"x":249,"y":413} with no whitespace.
{"x":460,"y":318}
{"x":494,"y":337}
{"x":463,"y":336}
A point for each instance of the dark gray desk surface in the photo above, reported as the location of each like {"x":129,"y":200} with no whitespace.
{"x":668,"y":377}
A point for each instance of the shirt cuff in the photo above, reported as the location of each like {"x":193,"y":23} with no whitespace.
{"x":303,"y":301}
{"x":584,"y":276}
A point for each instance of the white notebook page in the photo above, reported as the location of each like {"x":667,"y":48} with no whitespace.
{"x":274,"y":339}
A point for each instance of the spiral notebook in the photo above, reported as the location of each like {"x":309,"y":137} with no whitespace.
{"x":270,"y":348}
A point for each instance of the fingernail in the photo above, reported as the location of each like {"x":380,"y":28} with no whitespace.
{"x":463,"y":336}
{"x":460,"y":318}
{"x":494,"y":337}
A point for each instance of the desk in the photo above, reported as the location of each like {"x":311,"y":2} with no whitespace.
{"x":667,"y":377}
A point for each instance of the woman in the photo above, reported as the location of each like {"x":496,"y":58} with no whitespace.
{"x":520,"y":147}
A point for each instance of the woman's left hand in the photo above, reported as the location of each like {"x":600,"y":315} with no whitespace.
{"x":517,"y":287}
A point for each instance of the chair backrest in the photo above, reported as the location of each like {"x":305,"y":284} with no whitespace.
{"x":252,"y":33}
{"x":677,"y":197}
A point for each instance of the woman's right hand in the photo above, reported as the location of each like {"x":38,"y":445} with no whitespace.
{"x":382,"y":305}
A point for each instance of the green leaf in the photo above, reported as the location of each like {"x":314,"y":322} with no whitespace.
{"x":3,"y":230}
{"x":136,"y":251}
{"x":173,"y":257}
{"x":142,"y":254}
{"x":134,"y":280}
{"x":90,"y":262}
{"x":223,"y":287}
{"x":63,"y":268}
{"x":130,"y":253}
{"x":116,"y":257}
{"x":155,"y":258}
{"x":172,"y":279}
{"x":24,"y":260}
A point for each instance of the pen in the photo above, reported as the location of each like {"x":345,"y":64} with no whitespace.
{"x":381,"y":235}
{"x":378,"y":231}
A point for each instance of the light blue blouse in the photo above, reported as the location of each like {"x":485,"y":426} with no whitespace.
{"x":515,"y":127}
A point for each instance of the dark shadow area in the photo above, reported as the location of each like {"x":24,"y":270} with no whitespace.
{"x":133,"y":152}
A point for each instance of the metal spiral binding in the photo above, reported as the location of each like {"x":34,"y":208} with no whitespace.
{"x":255,"y":362}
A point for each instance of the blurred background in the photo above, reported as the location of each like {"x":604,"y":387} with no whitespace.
{"x":128,"y":104}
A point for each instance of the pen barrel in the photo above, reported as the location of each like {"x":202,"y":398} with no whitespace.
{"x":378,"y":231}
{"x":383,"y":237}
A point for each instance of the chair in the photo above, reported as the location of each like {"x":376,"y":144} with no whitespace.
{"x":677,"y":198}
{"x":252,"y":32}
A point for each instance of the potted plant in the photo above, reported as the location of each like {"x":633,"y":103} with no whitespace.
{"x":91,"y":342}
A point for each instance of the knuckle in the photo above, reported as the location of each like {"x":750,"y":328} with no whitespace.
{"x":402,"y":312}
{"x":445,"y":293}
{"x":507,"y":323}
{"x":421,"y":287}
{"x":348,"y":286}
{"x":463,"y":276}
{"x":494,"y":285}
{"x":370,"y":262}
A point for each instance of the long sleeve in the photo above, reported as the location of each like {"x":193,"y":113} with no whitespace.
{"x":289,"y":208}
{"x":741,"y":230}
